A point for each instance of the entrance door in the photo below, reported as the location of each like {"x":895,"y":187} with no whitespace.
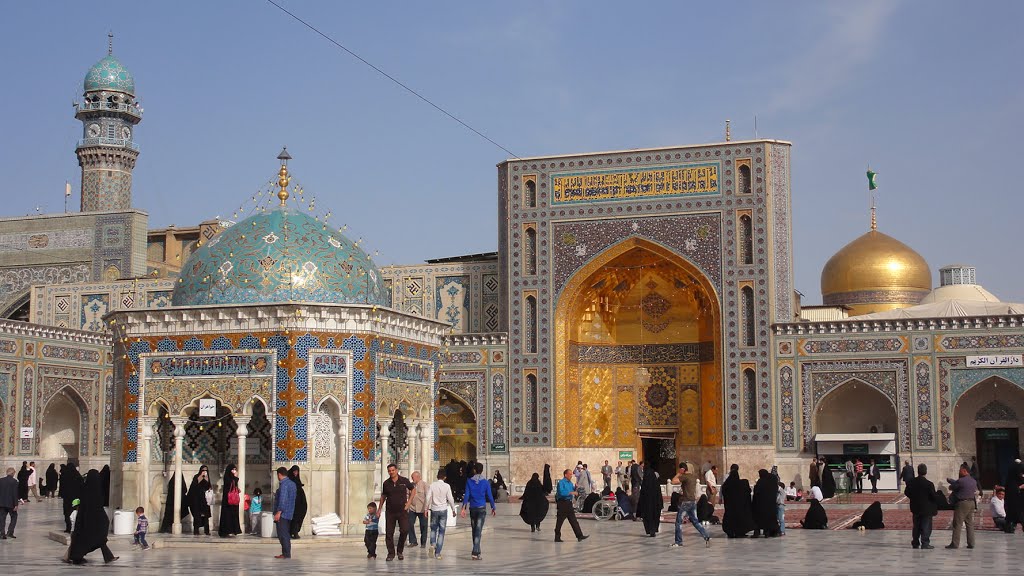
{"x":661,"y":454}
{"x":996,"y":448}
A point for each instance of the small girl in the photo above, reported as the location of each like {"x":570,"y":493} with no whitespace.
{"x":255,"y":509}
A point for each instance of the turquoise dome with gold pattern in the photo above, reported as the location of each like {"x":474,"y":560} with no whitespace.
{"x":278,"y":256}
{"x":109,"y":74}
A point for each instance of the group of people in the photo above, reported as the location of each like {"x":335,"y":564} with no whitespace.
{"x":31,"y":485}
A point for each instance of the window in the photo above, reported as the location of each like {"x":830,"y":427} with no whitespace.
{"x":531,"y":403}
{"x":111,"y":131}
{"x":749,"y":399}
{"x":530,"y":194}
{"x":747,"y":310}
{"x":743,"y":179}
{"x":530,"y":252}
{"x":746,"y":240}
{"x":530,"y":317}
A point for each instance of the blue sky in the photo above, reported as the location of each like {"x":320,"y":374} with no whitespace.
{"x":929,"y":93}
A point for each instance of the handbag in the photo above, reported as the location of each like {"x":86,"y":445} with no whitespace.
{"x":233,"y":497}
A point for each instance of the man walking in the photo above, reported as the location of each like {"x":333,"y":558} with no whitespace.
{"x":478,"y":495}
{"x":439,"y":501}
{"x":284,"y":509}
{"x":635,"y":474}
{"x":965,"y":488}
{"x":849,"y":475}
{"x":858,"y":469}
{"x":619,"y":476}
{"x":584,"y":482}
{"x":606,"y":475}
{"x":33,"y":482}
{"x":563,"y":504}
{"x":8,"y":504}
{"x":873,"y":476}
{"x":417,"y":511}
{"x":396,"y":491}
{"x":923,"y":506}
{"x":907,"y":474}
{"x":687,"y":505}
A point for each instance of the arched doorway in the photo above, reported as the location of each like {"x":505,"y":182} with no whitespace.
{"x":638,"y":355}
{"x":855,"y":407}
{"x":987,"y":425}
{"x":60,"y":429}
{"x":456,"y":428}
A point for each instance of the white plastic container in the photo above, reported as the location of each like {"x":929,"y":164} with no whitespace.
{"x":124,"y":522}
{"x":267,"y":527}
{"x":452,"y":517}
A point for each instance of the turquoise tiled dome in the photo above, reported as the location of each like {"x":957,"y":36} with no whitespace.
{"x":278,"y":256}
{"x":110,"y":74}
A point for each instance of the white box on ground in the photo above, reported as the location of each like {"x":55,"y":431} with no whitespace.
{"x":267,"y":527}
{"x":124,"y":522}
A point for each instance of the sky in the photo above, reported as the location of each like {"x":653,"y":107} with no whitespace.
{"x":928,"y":93}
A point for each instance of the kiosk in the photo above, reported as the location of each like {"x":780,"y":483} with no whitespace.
{"x":836,"y":449}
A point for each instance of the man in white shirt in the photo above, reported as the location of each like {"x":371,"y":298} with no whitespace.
{"x":711,"y":479}
{"x":33,"y":483}
{"x":439,"y":501}
{"x":618,"y":474}
{"x":998,"y":508}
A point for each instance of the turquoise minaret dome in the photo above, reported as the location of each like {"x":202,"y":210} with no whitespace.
{"x":109,"y":74}
{"x":279,"y":256}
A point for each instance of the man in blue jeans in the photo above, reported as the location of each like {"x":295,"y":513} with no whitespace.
{"x":439,"y":502}
{"x":284,"y":509}
{"x":563,"y":504}
{"x":477,"y":496}
{"x":687,"y":505}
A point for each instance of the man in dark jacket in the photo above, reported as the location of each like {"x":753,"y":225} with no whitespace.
{"x":924,"y":507}
{"x":8,"y":504}
{"x":907,"y":475}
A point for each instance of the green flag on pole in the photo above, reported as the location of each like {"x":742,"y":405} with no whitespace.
{"x":871,"y":180}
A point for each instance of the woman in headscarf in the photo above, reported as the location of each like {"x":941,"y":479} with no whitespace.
{"x":535,"y":504}
{"x":51,"y":481}
{"x":91,"y":524}
{"x":622,"y":499}
{"x":60,"y":476}
{"x":828,"y":482}
{"x":815,"y":519}
{"x":105,"y":483}
{"x":197,"y":504}
{"x":871,"y":519}
{"x":497,"y":482}
{"x":229,"y":525}
{"x":1012,"y":500}
{"x":766,"y":517}
{"x":300,"y":502}
{"x":651,"y":503}
{"x":167,"y":519}
{"x":814,"y":474}
{"x":23,"y":476}
{"x":70,"y":489}
{"x":738,"y":517}
{"x":705,"y":510}
{"x":548,"y":486}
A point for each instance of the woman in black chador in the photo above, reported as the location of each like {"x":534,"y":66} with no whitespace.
{"x":70,"y":489}
{"x":651,"y":503}
{"x":168,"y":518}
{"x":548,"y":487}
{"x":535,"y":504}
{"x":815,"y":519}
{"x":105,"y":483}
{"x":300,"y":502}
{"x":828,"y":482}
{"x":197,"y":503}
{"x":871,"y":519}
{"x":738,"y":518}
{"x":766,"y":517}
{"x":52,"y":479}
{"x":23,"y":476}
{"x":91,"y":524}
{"x":229,"y":525}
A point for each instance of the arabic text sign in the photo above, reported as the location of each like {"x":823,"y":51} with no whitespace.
{"x":639,"y":183}
{"x":997,"y":361}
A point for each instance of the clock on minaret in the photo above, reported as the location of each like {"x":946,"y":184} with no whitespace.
{"x":94,"y":130}
{"x":126,"y":133}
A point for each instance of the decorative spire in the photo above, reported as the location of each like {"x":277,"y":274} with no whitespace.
{"x":110,"y":43}
{"x":728,"y":131}
{"x":874,"y":222}
{"x":282,"y":175}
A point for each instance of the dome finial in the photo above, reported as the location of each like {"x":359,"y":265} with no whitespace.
{"x":282,"y":175}
{"x":874,"y":221}
{"x":110,"y":43}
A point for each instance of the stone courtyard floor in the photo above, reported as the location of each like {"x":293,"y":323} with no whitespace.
{"x":510,"y":548}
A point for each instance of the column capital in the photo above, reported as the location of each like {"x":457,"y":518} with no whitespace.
{"x":384,"y":432}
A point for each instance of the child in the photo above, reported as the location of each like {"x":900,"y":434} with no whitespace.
{"x":255,"y":510}
{"x":141,"y":528}
{"x":370,"y":539}
{"x":780,"y":508}
{"x":73,"y":516}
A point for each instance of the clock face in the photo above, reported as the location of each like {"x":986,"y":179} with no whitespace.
{"x":94,"y":130}
{"x":126,"y":133}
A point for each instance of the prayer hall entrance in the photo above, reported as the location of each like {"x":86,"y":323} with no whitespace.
{"x":638,"y":349}
{"x":987,"y":425}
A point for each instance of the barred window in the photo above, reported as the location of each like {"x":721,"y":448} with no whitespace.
{"x":746,"y":240}
{"x":749,"y":399}
{"x":747,"y":309}
{"x":530,"y":313}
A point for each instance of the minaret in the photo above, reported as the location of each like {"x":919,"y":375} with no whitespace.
{"x":107,"y":151}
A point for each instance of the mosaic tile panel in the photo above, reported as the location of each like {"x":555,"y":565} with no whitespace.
{"x":781,"y":234}
{"x":853,"y":346}
{"x":498,"y":412}
{"x":27,"y":397}
{"x":94,"y":307}
{"x":923,"y":390}
{"x":787,"y":408}
{"x":643,"y":353}
{"x":996,"y":411}
{"x":980,"y":341}
{"x":72,"y":354}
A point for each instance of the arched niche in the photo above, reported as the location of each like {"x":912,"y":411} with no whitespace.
{"x":855,"y":407}
{"x":987,"y":426}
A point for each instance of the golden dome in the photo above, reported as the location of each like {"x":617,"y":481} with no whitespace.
{"x":873,"y":273}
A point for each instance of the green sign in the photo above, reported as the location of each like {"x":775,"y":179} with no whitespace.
{"x":498,"y":447}
{"x":996,"y":434}
{"x":855,"y":449}
{"x":625,"y":454}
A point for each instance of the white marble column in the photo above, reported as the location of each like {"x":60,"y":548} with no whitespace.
{"x":384,"y":435}
{"x":145,"y":459}
{"x":426,"y":450}
{"x":413,"y":437}
{"x":179,"y":440}
{"x":341,"y":444}
{"x":241,"y":433}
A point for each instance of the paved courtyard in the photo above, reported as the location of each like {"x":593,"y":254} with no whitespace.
{"x":510,"y":548}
